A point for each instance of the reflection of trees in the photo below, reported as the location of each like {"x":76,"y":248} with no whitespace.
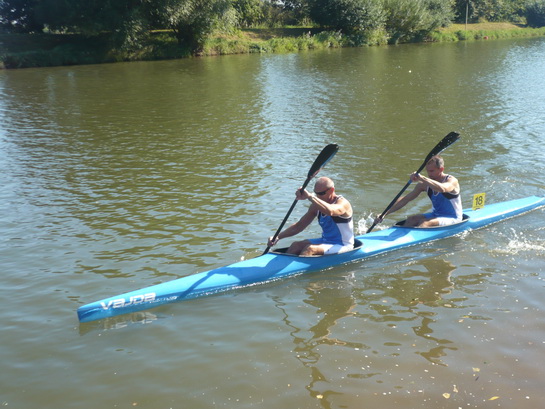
{"x":333,"y":303}
{"x":435,"y":353}
{"x":410,"y":297}
{"x":413,"y":290}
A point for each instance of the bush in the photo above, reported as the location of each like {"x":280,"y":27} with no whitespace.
{"x":350,"y":16}
{"x":535,"y":13}
{"x":331,"y":38}
{"x":414,"y":19}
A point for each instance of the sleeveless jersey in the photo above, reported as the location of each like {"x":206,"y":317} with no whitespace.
{"x":446,"y":204}
{"x":337,"y":229}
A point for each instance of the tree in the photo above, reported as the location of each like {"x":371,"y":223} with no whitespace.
{"x":442,"y":12}
{"x":126,"y":22}
{"x":193,"y":20}
{"x":351,"y":16}
{"x":488,"y":10}
{"x":410,"y":19}
{"x":18,"y":15}
{"x":535,"y":13}
{"x":249,"y":12}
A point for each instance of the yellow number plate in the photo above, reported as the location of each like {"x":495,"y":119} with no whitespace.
{"x":478,"y":201}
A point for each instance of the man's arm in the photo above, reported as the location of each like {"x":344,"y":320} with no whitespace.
{"x":296,"y":227}
{"x":341,"y":208}
{"x":451,"y":185}
{"x":300,"y":225}
{"x":401,"y":202}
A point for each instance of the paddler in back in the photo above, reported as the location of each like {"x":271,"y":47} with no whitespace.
{"x":334,"y":214}
{"x":443,"y":191}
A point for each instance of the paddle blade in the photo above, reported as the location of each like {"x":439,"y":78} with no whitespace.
{"x":444,"y":144}
{"x":325,"y":156}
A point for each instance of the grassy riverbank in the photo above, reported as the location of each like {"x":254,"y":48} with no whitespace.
{"x":484,"y":31}
{"x":40,"y":50}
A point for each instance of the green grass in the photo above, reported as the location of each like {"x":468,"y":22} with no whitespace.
{"x":484,"y":31}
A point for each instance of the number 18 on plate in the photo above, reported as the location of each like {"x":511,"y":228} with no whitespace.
{"x":478,"y":201}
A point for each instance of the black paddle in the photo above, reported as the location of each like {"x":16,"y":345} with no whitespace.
{"x":440,"y":147}
{"x":325,"y":156}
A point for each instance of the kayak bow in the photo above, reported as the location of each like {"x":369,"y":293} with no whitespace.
{"x":276,"y":265}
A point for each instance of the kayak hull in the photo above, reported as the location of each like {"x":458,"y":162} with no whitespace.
{"x":273,"y":266}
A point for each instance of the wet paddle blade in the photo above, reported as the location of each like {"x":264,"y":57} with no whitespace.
{"x":325,"y":156}
{"x":441,"y":146}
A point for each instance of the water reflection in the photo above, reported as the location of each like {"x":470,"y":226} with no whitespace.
{"x":117,"y":323}
{"x":142,"y":165}
{"x":413,"y":295}
{"x":396,"y":304}
{"x":333,"y":302}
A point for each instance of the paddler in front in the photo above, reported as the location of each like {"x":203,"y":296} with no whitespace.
{"x":334,"y":214}
{"x":443,"y":191}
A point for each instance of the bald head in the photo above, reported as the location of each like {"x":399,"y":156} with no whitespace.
{"x":323,"y":183}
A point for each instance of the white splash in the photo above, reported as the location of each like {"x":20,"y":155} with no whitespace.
{"x":519,"y":243}
{"x":367,"y":221}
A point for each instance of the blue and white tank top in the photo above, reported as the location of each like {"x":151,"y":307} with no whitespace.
{"x":337,"y":229}
{"x":446,"y":204}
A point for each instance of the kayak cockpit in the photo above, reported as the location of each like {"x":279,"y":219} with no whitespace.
{"x":357,"y":245}
{"x":401,"y":223}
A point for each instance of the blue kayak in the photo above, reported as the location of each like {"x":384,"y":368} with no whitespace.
{"x":277,"y":265}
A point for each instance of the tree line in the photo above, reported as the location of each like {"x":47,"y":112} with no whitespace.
{"x":128,"y":22}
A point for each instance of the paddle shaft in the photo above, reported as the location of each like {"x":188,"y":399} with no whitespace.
{"x":440,"y":147}
{"x":393,"y":202}
{"x":287,"y":215}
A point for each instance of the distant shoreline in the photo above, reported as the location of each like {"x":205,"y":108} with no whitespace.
{"x":47,"y":50}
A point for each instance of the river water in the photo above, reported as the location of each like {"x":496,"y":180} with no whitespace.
{"x":116,"y":177}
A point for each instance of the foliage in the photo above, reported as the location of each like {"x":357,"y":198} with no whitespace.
{"x":249,"y":12}
{"x":280,"y":14}
{"x":350,"y":16}
{"x":374,"y":20}
{"x":89,"y":17}
{"x":324,"y":39}
{"x":297,"y":11}
{"x":488,"y":10}
{"x":128,"y":22}
{"x":193,"y":21}
{"x":535,"y":13}
{"x":18,"y":16}
{"x":211,"y":26}
{"x":40,"y":50}
{"x":442,"y":12}
{"x":414,"y":19}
